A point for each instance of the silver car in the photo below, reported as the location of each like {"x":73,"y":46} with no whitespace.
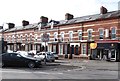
{"x":49,"y":57}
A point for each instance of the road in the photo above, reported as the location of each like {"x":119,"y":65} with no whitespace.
{"x":65,"y":69}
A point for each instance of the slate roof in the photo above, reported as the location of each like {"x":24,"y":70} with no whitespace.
{"x":112,"y":14}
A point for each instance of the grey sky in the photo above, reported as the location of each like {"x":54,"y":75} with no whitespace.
{"x":17,"y":10}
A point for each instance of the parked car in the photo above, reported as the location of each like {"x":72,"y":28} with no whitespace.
{"x":9,"y":51}
{"x":49,"y":57}
{"x":32,"y":54}
{"x":16,"y":59}
{"x":34,"y":51}
{"x":55,"y":55}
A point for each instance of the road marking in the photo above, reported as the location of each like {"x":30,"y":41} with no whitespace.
{"x":29,"y":72}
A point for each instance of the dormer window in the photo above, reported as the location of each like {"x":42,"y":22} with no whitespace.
{"x":39,"y":26}
{"x":52,"y":25}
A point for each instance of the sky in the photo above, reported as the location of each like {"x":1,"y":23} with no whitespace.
{"x":14,"y":11}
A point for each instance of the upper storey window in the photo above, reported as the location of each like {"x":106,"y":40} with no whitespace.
{"x":55,"y":36}
{"x":62,"y":36}
{"x":70,"y":35}
{"x":80,"y":34}
{"x":101,"y":33}
{"x":89,"y":34}
{"x":113,"y":33}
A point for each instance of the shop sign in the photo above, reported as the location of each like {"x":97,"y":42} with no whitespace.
{"x":93,"y":45}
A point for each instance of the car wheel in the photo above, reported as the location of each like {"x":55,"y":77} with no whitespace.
{"x":31,"y":64}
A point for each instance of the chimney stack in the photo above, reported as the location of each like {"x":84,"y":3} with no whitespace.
{"x":25,"y":23}
{"x":103,"y":10}
{"x":11,"y":25}
{"x":43,"y":19}
{"x":68,"y":16}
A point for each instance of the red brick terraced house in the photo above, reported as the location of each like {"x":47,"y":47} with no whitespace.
{"x":96,"y":36}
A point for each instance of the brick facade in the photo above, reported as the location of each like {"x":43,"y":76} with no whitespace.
{"x":29,"y":37}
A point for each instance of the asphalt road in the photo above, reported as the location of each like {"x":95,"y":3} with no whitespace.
{"x":65,"y":69}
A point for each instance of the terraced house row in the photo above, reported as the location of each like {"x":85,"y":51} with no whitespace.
{"x":95,"y":35}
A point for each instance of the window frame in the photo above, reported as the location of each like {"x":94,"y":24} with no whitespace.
{"x":89,"y":36}
{"x":79,"y":35}
{"x":70,"y":35}
{"x":101,"y":35}
{"x":113,"y":33}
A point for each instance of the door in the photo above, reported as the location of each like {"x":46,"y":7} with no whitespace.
{"x":113,"y":55}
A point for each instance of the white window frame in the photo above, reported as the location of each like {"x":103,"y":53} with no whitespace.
{"x":13,"y":39}
{"x":41,"y":36}
{"x":61,"y":49}
{"x":26,"y":38}
{"x":39,"y":26}
{"x":83,"y":47}
{"x":55,"y":36}
{"x":62,"y":36}
{"x":36,"y":37}
{"x":101,"y":35}
{"x":70,"y":35}
{"x":52,"y":24}
{"x":90,"y":36}
{"x":21,"y":40}
{"x":79,"y":33}
{"x":113,"y":33}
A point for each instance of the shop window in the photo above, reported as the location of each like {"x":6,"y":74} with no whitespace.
{"x":101,"y":33}
{"x":113,"y":33}
{"x":80,"y":35}
{"x":70,"y":35}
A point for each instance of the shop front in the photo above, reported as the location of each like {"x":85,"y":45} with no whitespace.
{"x":107,"y":51}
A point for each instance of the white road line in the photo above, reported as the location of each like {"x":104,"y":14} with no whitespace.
{"x":28,"y":72}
